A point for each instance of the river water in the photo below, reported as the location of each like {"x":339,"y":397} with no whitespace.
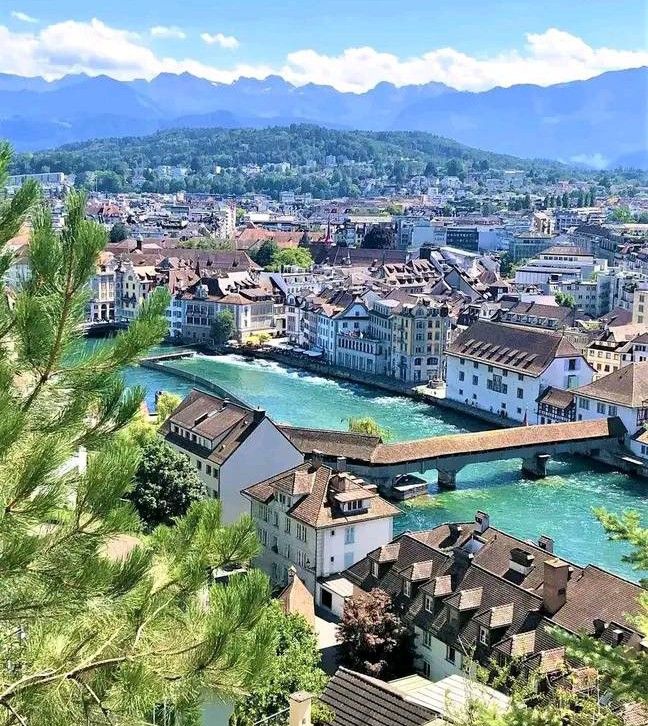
{"x":559,"y":506}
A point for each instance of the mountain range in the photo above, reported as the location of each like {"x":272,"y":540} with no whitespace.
{"x":600,"y":122}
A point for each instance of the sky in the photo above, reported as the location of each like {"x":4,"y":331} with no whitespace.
{"x":349,"y":44}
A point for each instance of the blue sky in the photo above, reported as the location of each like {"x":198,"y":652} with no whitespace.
{"x":351,"y":44}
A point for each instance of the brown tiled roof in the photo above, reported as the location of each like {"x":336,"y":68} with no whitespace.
{"x":556,"y":397}
{"x":481,"y":583}
{"x":297,"y":598}
{"x":359,"y":700}
{"x":225,"y":424}
{"x":467,"y":599}
{"x":439,"y":586}
{"x":334,"y":443}
{"x":370,"y":449}
{"x":496,"y":440}
{"x":627,"y":386}
{"x":598,"y":594}
{"x":497,"y":617}
{"x":514,"y":347}
{"x":318,"y":485}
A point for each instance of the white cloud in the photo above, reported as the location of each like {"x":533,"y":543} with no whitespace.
{"x":23,"y":17}
{"x":550,"y":57}
{"x":167,"y":31}
{"x":94,"y":48}
{"x":225,"y":41}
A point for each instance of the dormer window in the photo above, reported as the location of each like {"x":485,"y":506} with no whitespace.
{"x":407,"y":588}
{"x":374,"y":569}
{"x":429,"y":603}
{"x":484,"y":638}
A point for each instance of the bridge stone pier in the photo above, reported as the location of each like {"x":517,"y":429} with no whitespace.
{"x":383,"y":464}
{"x":536,"y":466}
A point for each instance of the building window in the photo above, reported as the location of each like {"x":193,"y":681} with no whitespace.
{"x":301,"y":532}
{"x":483,"y":636}
{"x":584,"y":403}
{"x":374,"y":569}
{"x":427,"y":639}
{"x":600,"y":407}
{"x":451,"y":654}
{"x":520,"y":393}
{"x":301,"y":558}
{"x":475,"y":381}
{"x":275,"y":519}
{"x":429,"y":603}
{"x":349,"y":535}
{"x":475,"y":365}
{"x":287,"y":525}
{"x":208,"y":470}
{"x":198,"y":464}
{"x":612,"y":410}
{"x":426,"y":669}
{"x":407,"y":588}
{"x":462,"y":375}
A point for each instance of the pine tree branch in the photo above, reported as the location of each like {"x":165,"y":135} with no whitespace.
{"x":56,"y":348}
{"x":96,"y":699}
{"x":15,"y":714}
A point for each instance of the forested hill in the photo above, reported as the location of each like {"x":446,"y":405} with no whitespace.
{"x":322,"y":161}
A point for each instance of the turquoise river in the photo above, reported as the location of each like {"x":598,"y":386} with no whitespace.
{"x":559,"y":506}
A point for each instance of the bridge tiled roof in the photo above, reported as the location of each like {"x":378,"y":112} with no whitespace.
{"x":497,"y":440}
{"x":371,"y":450}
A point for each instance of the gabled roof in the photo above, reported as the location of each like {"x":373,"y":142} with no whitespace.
{"x":224,"y":425}
{"x":526,"y":350}
{"x":358,"y":699}
{"x":321,"y":491}
{"x":627,"y":386}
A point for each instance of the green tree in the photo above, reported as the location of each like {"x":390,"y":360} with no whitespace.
{"x":292,"y":257}
{"x":430,"y":169}
{"x":379,"y":237}
{"x":368,"y":426}
{"x":266,"y":253}
{"x":223,"y":327}
{"x":166,"y":484}
{"x":296,"y":667}
{"x":622,"y":215}
{"x":165,"y":404}
{"x":108,"y":181}
{"x":118,"y":232}
{"x":565,"y":200}
{"x":565,"y":300}
{"x":454,"y":167}
{"x":100,"y":623}
{"x":373,"y":639}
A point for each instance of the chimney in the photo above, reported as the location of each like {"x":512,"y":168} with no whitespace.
{"x":340,"y":463}
{"x":546,"y":543}
{"x":521,"y":561}
{"x":600,"y":626}
{"x":317,"y":458}
{"x":300,"y":709}
{"x":482,"y":522}
{"x":554,"y":589}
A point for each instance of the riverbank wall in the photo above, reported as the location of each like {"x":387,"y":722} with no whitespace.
{"x":198,"y":381}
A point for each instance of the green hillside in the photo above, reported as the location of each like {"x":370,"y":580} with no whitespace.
{"x":391,"y":157}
